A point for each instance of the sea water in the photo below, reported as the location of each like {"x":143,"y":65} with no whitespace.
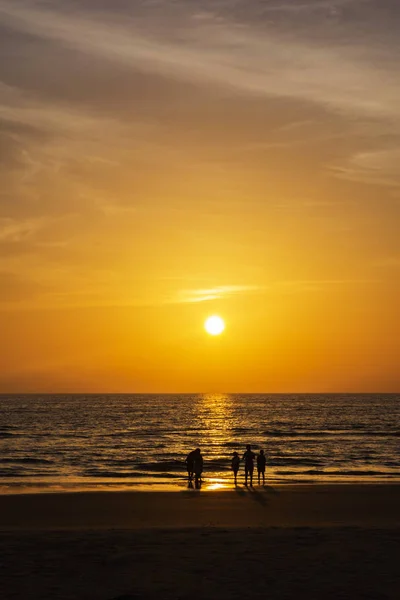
{"x":68,"y":442}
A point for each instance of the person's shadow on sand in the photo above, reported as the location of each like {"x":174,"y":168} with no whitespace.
{"x":258,"y":496}
{"x":269,"y":489}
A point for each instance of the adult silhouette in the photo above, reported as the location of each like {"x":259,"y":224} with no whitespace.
{"x":197,"y":467}
{"x":248,"y":458}
{"x":190,"y":463}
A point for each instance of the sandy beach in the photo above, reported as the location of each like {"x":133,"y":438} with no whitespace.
{"x":300,"y":541}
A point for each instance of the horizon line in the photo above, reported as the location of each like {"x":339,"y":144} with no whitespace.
{"x":346,"y":393}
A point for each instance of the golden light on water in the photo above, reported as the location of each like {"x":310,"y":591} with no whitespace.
{"x":217,"y":486}
{"x":214,"y":325}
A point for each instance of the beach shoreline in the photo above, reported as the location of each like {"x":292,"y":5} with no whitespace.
{"x":210,"y":484}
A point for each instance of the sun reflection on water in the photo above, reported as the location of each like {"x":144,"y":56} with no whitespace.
{"x":214,"y":486}
{"x":217,"y":421}
{"x":215,"y":413}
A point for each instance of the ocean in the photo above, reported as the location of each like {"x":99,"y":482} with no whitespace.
{"x":87,"y":442}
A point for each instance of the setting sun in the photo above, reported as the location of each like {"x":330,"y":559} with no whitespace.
{"x":214,"y":325}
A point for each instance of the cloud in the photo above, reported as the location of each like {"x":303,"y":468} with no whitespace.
{"x":216,"y":293}
{"x":306,"y":6}
{"x":281,"y":287}
{"x":255,"y":60}
{"x":375,"y":166}
{"x":89,"y":73}
{"x":29,"y":115}
{"x":13,"y":230}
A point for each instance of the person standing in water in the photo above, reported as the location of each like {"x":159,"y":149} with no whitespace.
{"x":248,"y":458}
{"x":190,"y":464}
{"x":235,"y":465}
{"x":261,"y":466}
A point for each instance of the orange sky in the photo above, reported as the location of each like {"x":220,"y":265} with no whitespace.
{"x":170,"y":161}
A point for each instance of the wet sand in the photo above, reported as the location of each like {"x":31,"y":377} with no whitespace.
{"x":300,"y":541}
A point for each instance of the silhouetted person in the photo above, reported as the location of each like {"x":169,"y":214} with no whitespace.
{"x":190,"y":463}
{"x":197,"y":467}
{"x":248,"y":458}
{"x":261,"y":466}
{"x":235,"y":465}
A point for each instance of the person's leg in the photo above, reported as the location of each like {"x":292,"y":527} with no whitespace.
{"x":246,"y":472}
{"x":251,"y":477}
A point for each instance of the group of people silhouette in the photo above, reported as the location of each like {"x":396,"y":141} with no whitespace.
{"x":249,"y":457}
{"x":194,"y":464}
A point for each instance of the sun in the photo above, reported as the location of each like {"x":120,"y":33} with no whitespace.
{"x":214,"y":325}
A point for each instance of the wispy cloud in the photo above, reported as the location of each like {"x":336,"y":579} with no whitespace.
{"x":253,"y":60}
{"x":273,"y":287}
{"x":216,"y":293}
{"x":48,"y":117}
{"x":378,"y":166}
{"x":332,"y":6}
{"x":16,"y":230}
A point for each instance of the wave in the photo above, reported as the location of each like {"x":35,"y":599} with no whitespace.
{"x":116,"y":474}
{"x":13,"y":473}
{"x":22,"y":434}
{"x":142,"y":432}
{"x":126,"y":475}
{"x":359,"y":472}
{"x":392,"y":463}
{"x":162,"y":467}
{"x":18,"y":473}
{"x":330,"y":433}
{"x":27,"y":460}
{"x":280,"y":462}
